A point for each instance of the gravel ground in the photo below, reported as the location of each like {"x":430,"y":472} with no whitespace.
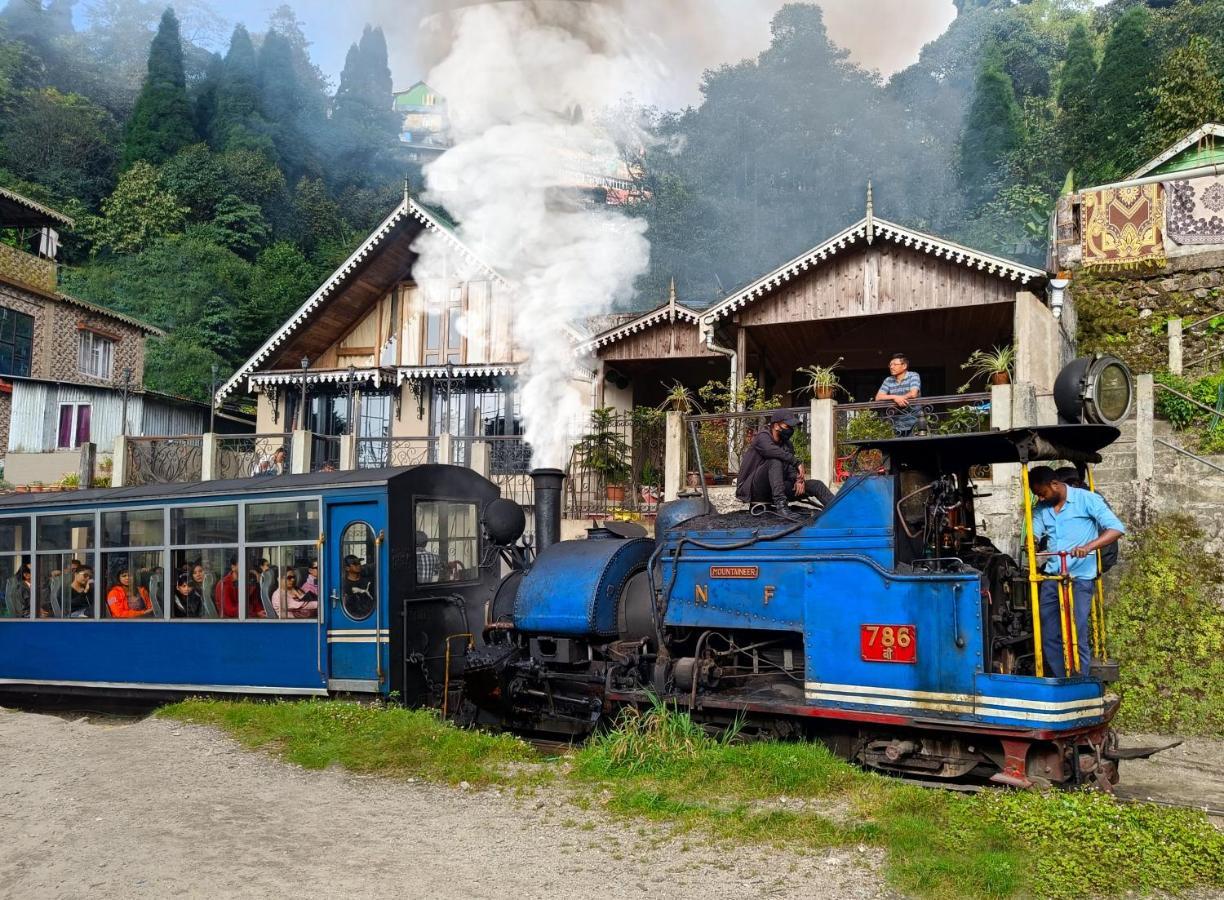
{"x":152,"y":808}
{"x":1190,"y":774}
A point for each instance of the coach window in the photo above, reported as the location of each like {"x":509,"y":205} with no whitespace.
{"x":282,"y":547}
{"x":15,"y":568}
{"x":450,"y":548}
{"x":65,"y":566}
{"x":359,"y":571}
{"x":204,"y":549}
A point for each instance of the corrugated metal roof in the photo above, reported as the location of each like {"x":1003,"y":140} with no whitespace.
{"x":44,"y":211}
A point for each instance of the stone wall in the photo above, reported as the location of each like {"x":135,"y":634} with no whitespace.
{"x":26,"y":268}
{"x":62,"y":337}
{"x":1124,"y":313}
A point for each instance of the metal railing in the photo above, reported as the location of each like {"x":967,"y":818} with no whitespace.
{"x":508,"y":458}
{"x":384,"y":452}
{"x":324,"y":452}
{"x":616,"y":467}
{"x":1194,"y":456}
{"x":163,"y":460}
{"x":240,"y":455}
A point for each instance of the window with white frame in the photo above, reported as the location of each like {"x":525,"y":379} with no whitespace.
{"x":95,"y":355}
{"x":74,"y":421}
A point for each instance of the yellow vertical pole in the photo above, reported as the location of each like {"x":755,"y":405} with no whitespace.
{"x":1098,"y":597}
{"x":1066,"y":601}
{"x":1038,"y":662}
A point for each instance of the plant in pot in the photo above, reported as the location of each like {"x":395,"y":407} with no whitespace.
{"x":650,"y":487}
{"x":606,"y":453}
{"x":822,"y":380}
{"x":995,"y":366}
{"x":679,"y":399}
{"x":36,"y":487}
{"x":71,"y":481}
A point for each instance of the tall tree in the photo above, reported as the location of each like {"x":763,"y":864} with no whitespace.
{"x":364,"y":128}
{"x":161,"y":122}
{"x":1121,"y":99}
{"x":236,"y":121}
{"x":1188,"y":95}
{"x":281,"y":102}
{"x":1075,"y":95}
{"x":992,"y":127}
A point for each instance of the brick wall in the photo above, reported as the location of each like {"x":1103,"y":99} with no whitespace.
{"x":32,"y":305}
{"x":27,"y":268}
{"x":63,"y":335}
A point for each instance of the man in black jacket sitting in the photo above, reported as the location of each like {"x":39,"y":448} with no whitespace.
{"x":769,"y":472}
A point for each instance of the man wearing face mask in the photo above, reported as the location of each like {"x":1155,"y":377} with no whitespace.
{"x":770,"y":473}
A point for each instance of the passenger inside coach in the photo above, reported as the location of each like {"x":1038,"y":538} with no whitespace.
{"x":188,"y":603}
{"x":80,"y":594}
{"x":123,"y":602}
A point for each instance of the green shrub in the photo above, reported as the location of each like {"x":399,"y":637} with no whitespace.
{"x":1166,"y":628}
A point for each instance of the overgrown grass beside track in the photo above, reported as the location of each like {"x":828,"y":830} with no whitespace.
{"x":661,"y":766}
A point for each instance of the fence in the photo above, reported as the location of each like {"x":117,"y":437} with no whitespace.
{"x":240,"y":455}
{"x":953,"y":414}
{"x":508,"y":459}
{"x":617,"y":466}
{"x":163,"y":460}
{"x":324,"y":452}
{"x":382,"y":452}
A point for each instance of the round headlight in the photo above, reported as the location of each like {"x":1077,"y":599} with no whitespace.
{"x":1094,"y":389}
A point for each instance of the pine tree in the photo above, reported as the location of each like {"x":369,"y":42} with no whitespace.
{"x":281,"y":103}
{"x":161,"y":122}
{"x":363,"y":99}
{"x":1121,"y":100}
{"x":1188,"y":95}
{"x":992,"y":128}
{"x":1075,"y":96}
{"x":235,"y":123}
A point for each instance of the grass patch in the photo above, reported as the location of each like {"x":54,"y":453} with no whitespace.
{"x":383,"y":740}
{"x":660,"y":766}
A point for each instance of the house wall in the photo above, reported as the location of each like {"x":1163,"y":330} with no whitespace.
{"x":666,"y":339}
{"x":64,"y":326}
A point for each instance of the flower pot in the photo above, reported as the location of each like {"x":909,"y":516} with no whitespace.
{"x":22,"y":489}
{"x":824,"y":391}
{"x":650,"y":495}
{"x":53,"y":488}
{"x":615,"y":493}
{"x":36,"y":489}
{"x":1000,"y":378}
{"x":693,"y":480}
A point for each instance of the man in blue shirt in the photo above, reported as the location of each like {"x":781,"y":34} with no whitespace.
{"x":901,"y":387}
{"x":1080,"y":523}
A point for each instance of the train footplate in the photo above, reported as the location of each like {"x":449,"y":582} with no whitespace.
{"x":1137,"y":752}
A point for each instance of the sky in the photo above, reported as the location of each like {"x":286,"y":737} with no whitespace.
{"x":881,"y":34}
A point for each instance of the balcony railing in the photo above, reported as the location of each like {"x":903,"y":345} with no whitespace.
{"x":952,"y":414}
{"x":384,"y":452}
{"x":17,"y":265}
{"x":240,"y":455}
{"x":163,"y":460}
{"x":722,"y":439}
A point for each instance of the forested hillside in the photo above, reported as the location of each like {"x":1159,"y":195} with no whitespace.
{"x":213,"y":192}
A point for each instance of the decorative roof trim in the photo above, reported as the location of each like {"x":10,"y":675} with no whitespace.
{"x":883,"y":231}
{"x":37,"y":207}
{"x":1184,"y":144}
{"x":668,"y":312}
{"x":424,"y":373}
{"x":325,"y":376}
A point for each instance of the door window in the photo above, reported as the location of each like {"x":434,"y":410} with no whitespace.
{"x":359,"y":571}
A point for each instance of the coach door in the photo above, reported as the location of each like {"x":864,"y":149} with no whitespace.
{"x":355,"y":576}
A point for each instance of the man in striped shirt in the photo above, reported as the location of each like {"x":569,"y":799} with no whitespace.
{"x":901,"y":387}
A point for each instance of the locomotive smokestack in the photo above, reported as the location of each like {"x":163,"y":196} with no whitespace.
{"x":548,"y":484}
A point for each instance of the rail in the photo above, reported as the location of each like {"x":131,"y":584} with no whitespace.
{"x":508,"y":459}
{"x":163,"y":460}
{"x":1176,"y":393}
{"x":945,"y":414}
{"x":615,"y":468}
{"x":722,"y":438}
{"x":240,"y":455}
{"x":1185,"y":452}
{"x":386,"y":452}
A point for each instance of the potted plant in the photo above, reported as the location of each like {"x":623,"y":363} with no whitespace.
{"x":995,"y":366}
{"x":649,"y":484}
{"x":822,"y":380}
{"x":679,"y":399}
{"x":71,"y":481}
{"x":36,"y":487}
{"x":606,"y":453}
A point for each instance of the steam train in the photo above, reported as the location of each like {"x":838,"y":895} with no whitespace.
{"x":883,"y":624}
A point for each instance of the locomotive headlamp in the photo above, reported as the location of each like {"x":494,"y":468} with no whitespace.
{"x":1094,"y":389}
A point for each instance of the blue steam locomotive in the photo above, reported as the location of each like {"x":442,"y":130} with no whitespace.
{"x":883,"y":624}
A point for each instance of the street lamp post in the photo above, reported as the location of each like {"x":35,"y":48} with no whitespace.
{"x":127,"y":385}
{"x":302,"y":416}
{"x":352,"y":375}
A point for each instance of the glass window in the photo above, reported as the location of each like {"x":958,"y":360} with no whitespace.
{"x":74,"y":425}
{"x":15,"y":587}
{"x":133,"y":585}
{"x":200,"y":525}
{"x":66,"y":587}
{"x":134,"y":528}
{"x":284,"y":580}
{"x":14,"y":534}
{"x":199,"y":589}
{"x":359,"y":565}
{"x":446,"y":541}
{"x":95,"y":354}
{"x":74,"y":531}
{"x":294,"y":520}
{"x":16,"y":342}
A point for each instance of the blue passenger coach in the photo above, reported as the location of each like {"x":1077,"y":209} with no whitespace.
{"x":292,"y":584}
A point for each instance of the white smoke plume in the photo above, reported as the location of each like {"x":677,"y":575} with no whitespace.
{"x":525,"y":81}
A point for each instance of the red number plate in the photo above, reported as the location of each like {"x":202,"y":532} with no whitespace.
{"x":889,"y":643}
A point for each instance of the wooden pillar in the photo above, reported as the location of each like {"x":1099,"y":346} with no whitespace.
{"x":85,"y":470}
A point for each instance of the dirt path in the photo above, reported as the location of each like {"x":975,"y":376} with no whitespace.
{"x":156,"y":809}
{"x":1192,"y":773}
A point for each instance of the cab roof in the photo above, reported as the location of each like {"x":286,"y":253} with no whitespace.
{"x":1073,"y":443}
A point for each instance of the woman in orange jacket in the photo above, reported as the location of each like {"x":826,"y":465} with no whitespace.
{"x":123,"y":602}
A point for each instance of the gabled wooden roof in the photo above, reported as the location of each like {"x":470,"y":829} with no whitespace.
{"x":865,"y":232}
{"x":671,"y":311}
{"x":378,"y":263}
{"x":1208,"y":131}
